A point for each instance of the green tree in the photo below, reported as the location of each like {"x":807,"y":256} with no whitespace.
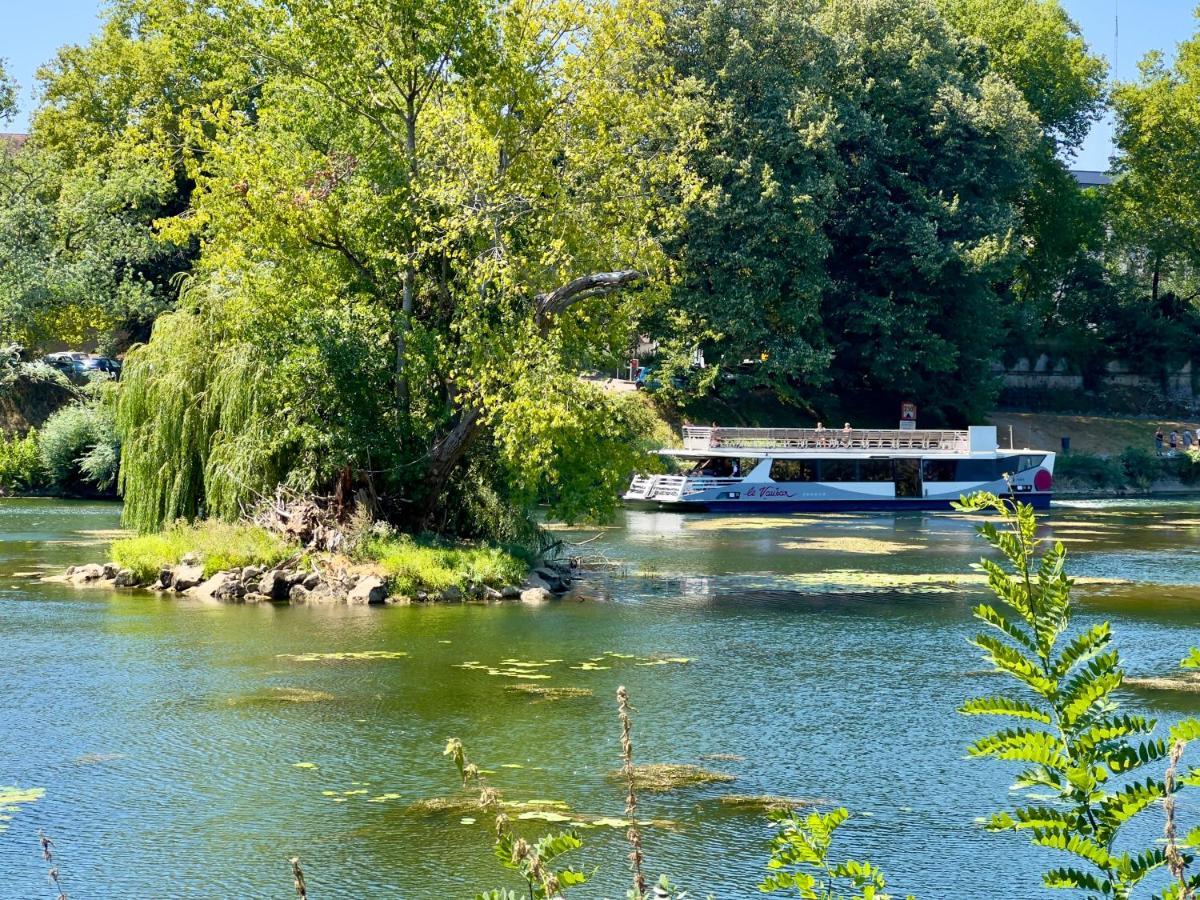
{"x":1156,"y":215}
{"x":751,"y":250}
{"x":78,"y":256}
{"x":858,"y":169}
{"x":410,"y":249}
{"x":8,"y":94}
{"x":934,"y":152}
{"x":1038,"y":47}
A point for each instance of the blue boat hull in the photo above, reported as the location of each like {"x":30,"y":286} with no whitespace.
{"x":881,"y":504}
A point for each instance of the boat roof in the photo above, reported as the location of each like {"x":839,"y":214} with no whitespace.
{"x":977,"y":441}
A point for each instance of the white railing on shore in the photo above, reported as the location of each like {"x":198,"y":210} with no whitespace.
{"x":696,"y":438}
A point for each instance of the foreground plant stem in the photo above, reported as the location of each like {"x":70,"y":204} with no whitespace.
{"x":633,"y":835}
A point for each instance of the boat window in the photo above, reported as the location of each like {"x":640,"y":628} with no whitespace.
{"x":875,"y":470}
{"x":746,"y":465}
{"x":839,"y":470}
{"x":939,"y":470}
{"x":1007,"y":465}
{"x":982,"y":469}
{"x":793,"y":470}
{"x":718,"y":467}
{"x":1029,"y":462}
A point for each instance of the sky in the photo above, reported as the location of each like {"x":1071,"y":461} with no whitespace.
{"x":31,"y":30}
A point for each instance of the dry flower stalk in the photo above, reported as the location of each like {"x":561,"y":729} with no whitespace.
{"x":633,"y":835}
{"x":298,"y":876}
{"x":1175,"y":860}
{"x":48,"y":856}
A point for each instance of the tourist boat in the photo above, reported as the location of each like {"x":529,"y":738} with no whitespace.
{"x":757,"y":469}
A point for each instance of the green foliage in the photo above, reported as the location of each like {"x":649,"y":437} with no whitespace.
{"x":220,"y":546}
{"x":1090,"y":470}
{"x":1078,"y":751}
{"x":411,"y":566}
{"x":1141,"y":467}
{"x":1036,"y":46}
{"x":383,"y":242}
{"x":823,"y":253}
{"x":79,"y":444}
{"x":21,"y":463}
{"x":8,"y":94}
{"x":1156,"y":213}
{"x":800,"y":861}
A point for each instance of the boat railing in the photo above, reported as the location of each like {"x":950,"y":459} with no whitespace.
{"x":703,"y":438}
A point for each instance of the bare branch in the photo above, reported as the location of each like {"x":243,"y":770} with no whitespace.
{"x":557,"y":301}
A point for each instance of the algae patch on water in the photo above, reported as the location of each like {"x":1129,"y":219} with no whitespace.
{"x":547,"y":694}
{"x":859,"y":545}
{"x":13,"y":798}
{"x":765,"y":803}
{"x":271,"y":696}
{"x":1184,"y":682}
{"x":672,"y":776}
{"x":343,"y":655}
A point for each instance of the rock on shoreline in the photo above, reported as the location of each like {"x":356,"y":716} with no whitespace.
{"x":290,"y":583}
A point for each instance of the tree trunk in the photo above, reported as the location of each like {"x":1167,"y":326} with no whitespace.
{"x":444,"y":459}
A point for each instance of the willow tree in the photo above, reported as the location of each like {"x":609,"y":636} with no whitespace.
{"x":438,"y":214}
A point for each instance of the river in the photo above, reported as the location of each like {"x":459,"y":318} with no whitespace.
{"x":185,"y":751}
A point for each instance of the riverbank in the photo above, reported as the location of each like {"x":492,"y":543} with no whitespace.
{"x":245,"y":563}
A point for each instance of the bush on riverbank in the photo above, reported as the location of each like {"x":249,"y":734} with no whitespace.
{"x":219,"y":546}
{"x":21,"y":464}
{"x":79,"y":445}
{"x":1134,"y":469}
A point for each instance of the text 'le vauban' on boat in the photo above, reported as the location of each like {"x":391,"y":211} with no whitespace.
{"x":816,"y":469}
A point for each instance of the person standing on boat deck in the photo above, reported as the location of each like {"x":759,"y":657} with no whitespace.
{"x":1158,"y":441}
{"x":820,"y":434}
{"x":1174,"y":440}
{"x":846,"y":432}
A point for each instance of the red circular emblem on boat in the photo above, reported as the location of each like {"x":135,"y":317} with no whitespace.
{"x":1043,"y":480}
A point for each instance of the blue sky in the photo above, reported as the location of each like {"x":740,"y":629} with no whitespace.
{"x":33,"y":29}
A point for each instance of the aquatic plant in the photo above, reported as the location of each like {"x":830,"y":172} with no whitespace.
{"x":13,"y":798}
{"x":1075,"y":743}
{"x":660,"y":777}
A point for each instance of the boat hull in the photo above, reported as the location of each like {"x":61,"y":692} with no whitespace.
{"x":871,"y":504}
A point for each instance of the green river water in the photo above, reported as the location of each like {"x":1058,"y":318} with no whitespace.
{"x":826,"y":654}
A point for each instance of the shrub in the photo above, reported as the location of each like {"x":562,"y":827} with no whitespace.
{"x":1089,"y":470}
{"x":1189,"y":467}
{"x":220,"y":546}
{"x":1141,"y":467}
{"x":411,"y":566}
{"x":80,"y":448}
{"x":20,"y":463}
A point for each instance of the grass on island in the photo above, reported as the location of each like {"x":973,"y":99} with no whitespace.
{"x":220,"y":546}
{"x":408,"y":565}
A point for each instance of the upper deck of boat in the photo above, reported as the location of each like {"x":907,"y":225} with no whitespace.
{"x":856,"y":442}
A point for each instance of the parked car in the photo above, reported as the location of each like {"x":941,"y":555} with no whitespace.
{"x":83,"y":365}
